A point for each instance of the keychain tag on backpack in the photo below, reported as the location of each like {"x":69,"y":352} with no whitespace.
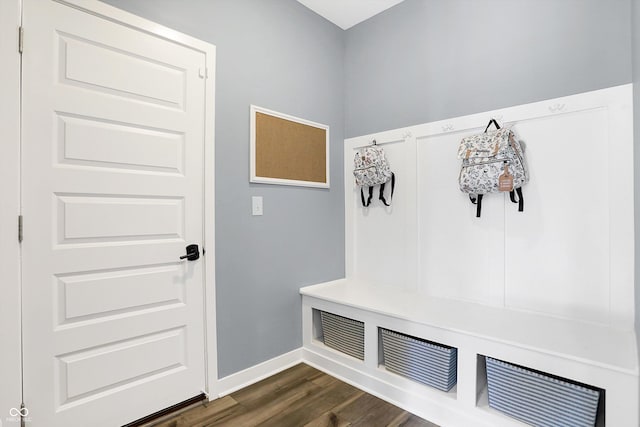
{"x":505,"y":181}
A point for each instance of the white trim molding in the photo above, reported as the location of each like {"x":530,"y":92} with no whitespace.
{"x":209,"y":244}
{"x":258,"y":372}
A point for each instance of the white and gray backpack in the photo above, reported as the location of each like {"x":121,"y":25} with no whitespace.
{"x":492,"y":162}
{"x":371,"y":168}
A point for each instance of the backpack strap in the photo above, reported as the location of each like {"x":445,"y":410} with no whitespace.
{"x":520,"y":201}
{"x":478,"y":202}
{"x":368,"y":202}
{"x":393,"y":184}
{"x":490,"y":122}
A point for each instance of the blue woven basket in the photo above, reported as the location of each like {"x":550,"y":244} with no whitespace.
{"x":343,"y":334}
{"x":540,"y":400}
{"x":419,"y":360}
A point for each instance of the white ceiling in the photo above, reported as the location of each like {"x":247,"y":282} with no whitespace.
{"x":347,"y":13}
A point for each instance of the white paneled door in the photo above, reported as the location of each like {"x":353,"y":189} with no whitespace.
{"x":112,"y":192}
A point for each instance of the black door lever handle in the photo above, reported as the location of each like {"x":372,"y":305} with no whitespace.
{"x":192,"y":253}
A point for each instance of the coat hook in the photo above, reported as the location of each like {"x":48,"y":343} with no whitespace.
{"x":557,"y":107}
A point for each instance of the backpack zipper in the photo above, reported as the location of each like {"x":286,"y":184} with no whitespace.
{"x":487,"y":163}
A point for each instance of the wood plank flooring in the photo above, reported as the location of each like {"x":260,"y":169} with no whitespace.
{"x":299,"y":396}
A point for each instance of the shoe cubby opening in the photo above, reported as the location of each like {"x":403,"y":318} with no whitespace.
{"x":339,"y":333}
{"x":537,"y":398}
{"x":420,"y":360}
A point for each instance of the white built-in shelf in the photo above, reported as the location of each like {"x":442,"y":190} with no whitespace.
{"x":590,"y":343}
{"x":531,"y":288}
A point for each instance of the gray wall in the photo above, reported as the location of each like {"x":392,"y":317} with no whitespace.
{"x":279,"y":55}
{"x":426,"y":60}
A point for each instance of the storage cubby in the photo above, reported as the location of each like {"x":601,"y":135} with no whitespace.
{"x":341,"y":333}
{"x":538,"y":398}
{"x":419,"y":360}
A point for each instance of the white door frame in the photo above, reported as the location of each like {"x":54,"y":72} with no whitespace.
{"x":10,"y":329}
{"x":10,"y":364}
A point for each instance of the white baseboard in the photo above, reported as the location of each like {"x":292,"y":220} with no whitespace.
{"x":256,"y":373}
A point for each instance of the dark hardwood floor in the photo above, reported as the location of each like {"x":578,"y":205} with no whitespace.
{"x":299,"y":396}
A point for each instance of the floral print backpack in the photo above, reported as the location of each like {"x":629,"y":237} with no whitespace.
{"x":492,"y":162}
{"x":371,"y":168}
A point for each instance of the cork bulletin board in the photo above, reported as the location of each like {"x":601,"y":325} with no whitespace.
{"x":287,"y":150}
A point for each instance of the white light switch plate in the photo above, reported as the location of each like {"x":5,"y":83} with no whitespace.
{"x":256,"y":205}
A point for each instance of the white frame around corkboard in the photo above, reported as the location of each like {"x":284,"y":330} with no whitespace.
{"x":288,"y":150}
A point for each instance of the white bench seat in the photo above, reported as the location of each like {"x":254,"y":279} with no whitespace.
{"x":589,"y":343}
{"x":589,"y":353}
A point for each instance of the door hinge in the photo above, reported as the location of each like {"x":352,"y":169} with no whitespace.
{"x":20,"y":228}
{"x":23,"y":415}
{"x":203,"y":73}
{"x":20,"y":39}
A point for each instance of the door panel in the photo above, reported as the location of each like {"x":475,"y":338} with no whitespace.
{"x":95,"y":66}
{"x":113,"y":128}
{"x":82,"y":374}
{"x":87,"y":296}
{"x":95,"y":219}
{"x":102,"y":144}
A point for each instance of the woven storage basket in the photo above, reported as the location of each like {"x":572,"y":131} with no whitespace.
{"x":538,"y":399}
{"x":343,"y":334}
{"x":419,"y":360}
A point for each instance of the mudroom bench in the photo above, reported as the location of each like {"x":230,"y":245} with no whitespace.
{"x":357,"y":314}
{"x":510,"y":319}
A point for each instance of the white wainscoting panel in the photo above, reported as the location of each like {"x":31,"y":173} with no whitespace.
{"x":557,"y":251}
{"x":460,"y":256}
{"x":569,"y":254}
{"x":380,"y":233}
